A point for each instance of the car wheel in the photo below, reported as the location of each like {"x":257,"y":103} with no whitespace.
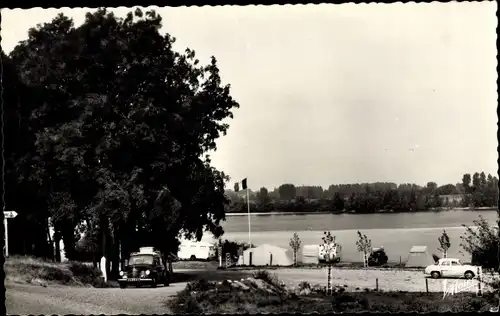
{"x":155,"y":283}
{"x":123,"y":285}
{"x":435,"y":275}
{"x":469,"y":275}
{"x":193,"y":257}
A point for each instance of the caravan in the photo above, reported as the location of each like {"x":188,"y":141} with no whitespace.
{"x":193,"y":250}
{"x":335,"y":253}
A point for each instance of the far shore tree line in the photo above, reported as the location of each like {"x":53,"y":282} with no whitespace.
{"x":478,"y":190}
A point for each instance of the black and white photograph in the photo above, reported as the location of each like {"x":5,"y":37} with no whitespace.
{"x":251,"y":159}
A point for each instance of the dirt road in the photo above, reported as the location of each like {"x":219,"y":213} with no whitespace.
{"x":388,"y":280}
{"x":32,"y":299}
{"x":23,"y":299}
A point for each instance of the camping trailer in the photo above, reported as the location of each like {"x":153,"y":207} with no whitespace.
{"x":334,"y":254}
{"x":310,"y":254}
{"x":195,"y":250}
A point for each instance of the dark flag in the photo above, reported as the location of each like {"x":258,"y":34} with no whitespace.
{"x":243,"y":185}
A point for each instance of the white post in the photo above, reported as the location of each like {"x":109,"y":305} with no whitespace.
{"x":249,"y":226}
{"x":103,"y":269}
{"x":6,"y":237}
{"x":219,"y":251}
{"x":120,"y":256}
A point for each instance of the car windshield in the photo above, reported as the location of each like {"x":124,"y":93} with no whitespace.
{"x":140,"y":259}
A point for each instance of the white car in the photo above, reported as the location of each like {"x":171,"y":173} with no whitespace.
{"x":451,"y":268}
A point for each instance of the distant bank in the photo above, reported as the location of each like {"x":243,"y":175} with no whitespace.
{"x":352,"y":212}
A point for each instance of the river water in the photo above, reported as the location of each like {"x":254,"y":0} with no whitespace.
{"x":397,"y":233}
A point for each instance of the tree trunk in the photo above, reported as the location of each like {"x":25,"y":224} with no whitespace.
{"x":50,"y":253}
{"x":104,"y":225}
{"x":329,"y":286}
{"x":57,"y":239}
{"x":498,"y":241}
{"x":116,"y":258}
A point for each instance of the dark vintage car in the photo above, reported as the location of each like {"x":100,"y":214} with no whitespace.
{"x":145,"y":268}
{"x":377,"y":257}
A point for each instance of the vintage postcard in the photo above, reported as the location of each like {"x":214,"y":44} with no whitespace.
{"x":251,"y":159}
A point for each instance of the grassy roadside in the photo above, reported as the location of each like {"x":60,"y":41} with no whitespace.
{"x":265,"y":294}
{"x":29,"y":270}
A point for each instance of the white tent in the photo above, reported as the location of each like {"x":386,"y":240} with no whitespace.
{"x":267,"y":255}
{"x":419,"y":257}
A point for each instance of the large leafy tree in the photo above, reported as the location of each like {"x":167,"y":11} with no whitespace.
{"x":123,"y":124}
{"x":22,"y":193}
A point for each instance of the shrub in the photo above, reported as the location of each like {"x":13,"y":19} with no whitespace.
{"x":185,"y":303}
{"x":481,"y":243}
{"x":444,"y":242}
{"x":232,"y":247}
{"x":304,"y":285}
{"x":77,"y":273}
{"x":435,"y":257}
{"x":295,"y":245}
{"x":200,"y":286}
{"x":267,"y":277}
{"x":476,"y":303}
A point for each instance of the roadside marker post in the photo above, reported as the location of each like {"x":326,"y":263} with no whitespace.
{"x":7,"y":215}
{"x":479,"y":272}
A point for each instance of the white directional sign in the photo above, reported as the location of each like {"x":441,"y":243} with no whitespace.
{"x":9,"y":214}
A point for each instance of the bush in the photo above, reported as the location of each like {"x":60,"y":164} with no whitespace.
{"x":435,"y":257}
{"x":232,"y":247}
{"x":304,"y":285}
{"x":200,"y":286}
{"x":481,"y":243}
{"x":187,"y":303}
{"x":267,"y":277}
{"x":26,"y":269}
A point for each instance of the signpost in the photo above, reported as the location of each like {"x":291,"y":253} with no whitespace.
{"x":7,"y":215}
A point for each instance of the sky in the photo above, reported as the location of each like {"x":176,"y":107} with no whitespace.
{"x":333,"y":94}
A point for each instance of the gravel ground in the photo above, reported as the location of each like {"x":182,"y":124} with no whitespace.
{"x":388,"y":280}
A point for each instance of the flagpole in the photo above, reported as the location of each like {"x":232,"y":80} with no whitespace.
{"x":249,"y":226}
